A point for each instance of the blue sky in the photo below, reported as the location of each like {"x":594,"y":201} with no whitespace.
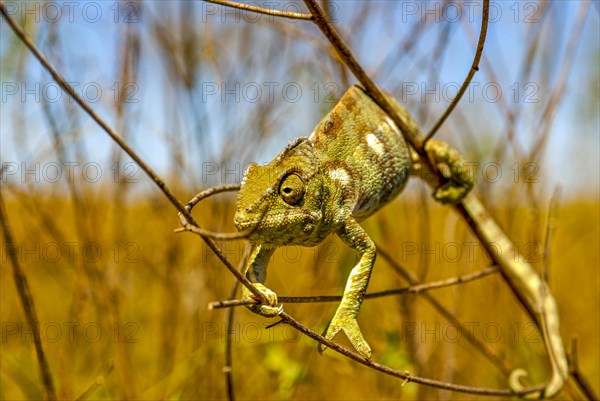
{"x":89,"y":37}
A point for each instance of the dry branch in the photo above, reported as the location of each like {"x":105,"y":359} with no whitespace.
{"x":474,"y":68}
{"x":285,"y":318}
{"x":414,"y":289}
{"x":262,"y":10}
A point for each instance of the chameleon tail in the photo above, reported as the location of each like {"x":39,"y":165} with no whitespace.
{"x":554,"y":348}
{"x":535,"y":294}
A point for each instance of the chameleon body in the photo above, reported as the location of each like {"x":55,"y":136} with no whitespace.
{"x":355,"y":161}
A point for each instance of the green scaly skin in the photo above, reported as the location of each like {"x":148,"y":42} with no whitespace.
{"x":355,"y":161}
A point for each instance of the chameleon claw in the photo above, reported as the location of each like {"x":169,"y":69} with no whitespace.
{"x":350,"y":327}
{"x":329,"y":334}
{"x":452,"y":166}
{"x":269,"y":310}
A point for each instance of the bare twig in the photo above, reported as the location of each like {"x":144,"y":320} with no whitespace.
{"x":410,"y":277}
{"x":228,"y":366}
{"x":261,"y":10}
{"x":474,"y":68}
{"x":115,"y":137}
{"x":28,"y":305}
{"x":414,"y":289}
{"x":579,"y":379}
{"x":187,"y":226}
{"x":210,"y":234}
{"x":210,"y":192}
{"x":396,"y":373}
{"x":348,"y":59}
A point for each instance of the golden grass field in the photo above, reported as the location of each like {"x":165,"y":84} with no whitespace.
{"x":142,"y":305}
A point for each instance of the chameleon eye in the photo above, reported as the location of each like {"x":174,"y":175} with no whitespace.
{"x":291,"y":189}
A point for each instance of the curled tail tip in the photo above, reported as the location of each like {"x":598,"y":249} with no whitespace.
{"x":514,"y":382}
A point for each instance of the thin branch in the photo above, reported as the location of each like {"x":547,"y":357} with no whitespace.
{"x":82,"y":103}
{"x":261,"y":10}
{"x":580,"y":380}
{"x":28,"y":305}
{"x":210,"y":192}
{"x":348,"y":59}
{"x":414,"y":289}
{"x":285,"y":318}
{"x":228,"y":366}
{"x":411,"y":132}
{"x":115,"y":137}
{"x":210,"y":234}
{"x":187,"y":226}
{"x":474,"y":68}
{"x":411,"y":278}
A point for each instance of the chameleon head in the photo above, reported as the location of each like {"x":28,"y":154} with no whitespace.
{"x":280,"y":203}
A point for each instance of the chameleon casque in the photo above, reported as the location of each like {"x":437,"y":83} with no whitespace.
{"x":355,"y":161}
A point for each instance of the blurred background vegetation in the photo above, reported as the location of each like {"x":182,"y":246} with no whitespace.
{"x":199,"y":91}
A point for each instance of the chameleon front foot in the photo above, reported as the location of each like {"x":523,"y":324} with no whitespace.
{"x":270,"y":310}
{"x":452,"y":166}
{"x":349,"y":326}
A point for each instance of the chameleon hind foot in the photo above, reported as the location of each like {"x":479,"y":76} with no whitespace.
{"x":452,"y":166}
{"x":270,"y":310}
{"x":347,"y":323}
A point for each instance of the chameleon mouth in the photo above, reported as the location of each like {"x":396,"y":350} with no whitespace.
{"x":246,"y":225}
{"x":242,"y":223}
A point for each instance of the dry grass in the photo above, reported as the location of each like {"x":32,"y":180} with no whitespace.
{"x":164,"y":343}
